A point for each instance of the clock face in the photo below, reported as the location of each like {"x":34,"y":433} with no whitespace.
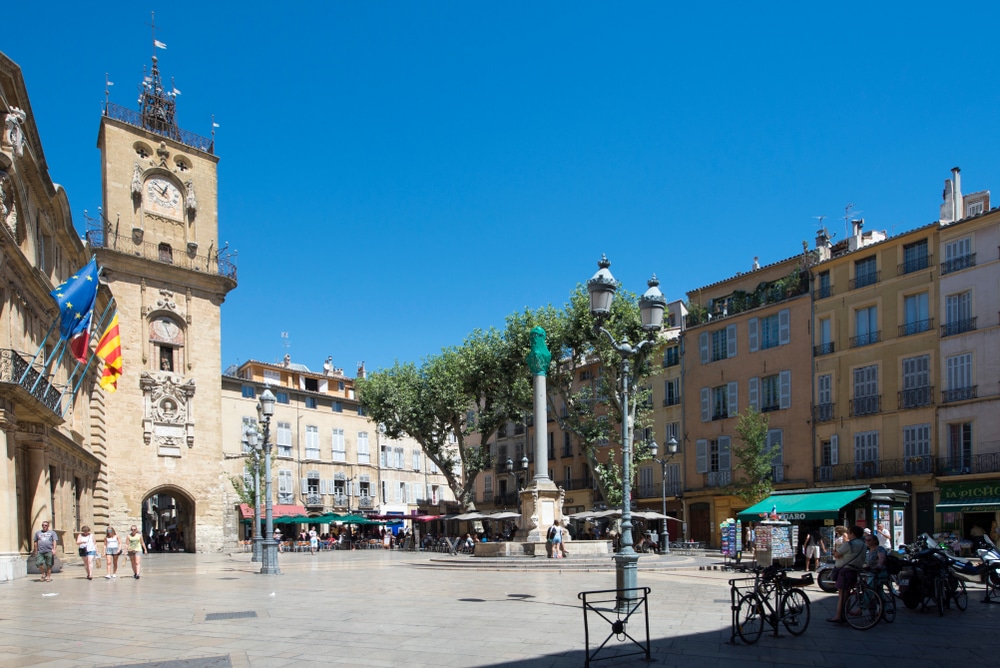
{"x":162,"y":197}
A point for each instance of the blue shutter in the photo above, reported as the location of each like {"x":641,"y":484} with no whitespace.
{"x":784,"y":326}
{"x":752,"y":331}
{"x":703,"y":347}
{"x":724,"y":453}
{"x":834,"y":449}
{"x":732,"y":400}
{"x":706,"y":404}
{"x":701,"y":456}
{"x":731,"y":341}
{"x":754,"y":401}
{"x":785,"y":389}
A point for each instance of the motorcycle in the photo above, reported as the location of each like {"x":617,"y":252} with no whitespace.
{"x":824,"y":576}
{"x":928,"y":576}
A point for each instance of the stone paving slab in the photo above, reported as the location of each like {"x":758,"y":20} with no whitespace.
{"x":375,"y":608}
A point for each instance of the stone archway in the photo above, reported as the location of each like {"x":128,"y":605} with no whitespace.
{"x":168,"y":515}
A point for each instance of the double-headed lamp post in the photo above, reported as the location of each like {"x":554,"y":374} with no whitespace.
{"x":517,"y":478}
{"x":667,"y":456}
{"x":269,"y":563}
{"x":253,"y":440}
{"x":652,"y":304}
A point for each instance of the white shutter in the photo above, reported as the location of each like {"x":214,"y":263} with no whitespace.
{"x":754,"y":401}
{"x":324,"y":386}
{"x":703,"y":347}
{"x":724,"y":453}
{"x":752,"y":331}
{"x":732,"y":399}
{"x":701,"y":455}
{"x":834,"y":449}
{"x":357,"y":488}
{"x":706,"y":404}
{"x":302,"y":382}
{"x":304,"y":485}
{"x":785,"y":389}
{"x":784,"y":326}
{"x":731,"y":341}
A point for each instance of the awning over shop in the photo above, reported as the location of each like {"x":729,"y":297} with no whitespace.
{"x":985,"y":505}
{"x":280,"y":510}
{"x":804,"y":505}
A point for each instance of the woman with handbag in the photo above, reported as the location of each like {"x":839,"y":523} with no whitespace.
{"x":88,"y":550}
{"x":136,"y":548}
{"x":112,"y":550}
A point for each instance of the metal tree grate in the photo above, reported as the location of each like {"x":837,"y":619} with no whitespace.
{"x":215,"y":616}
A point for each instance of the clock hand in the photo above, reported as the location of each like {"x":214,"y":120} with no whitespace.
{"x":164,"y":193}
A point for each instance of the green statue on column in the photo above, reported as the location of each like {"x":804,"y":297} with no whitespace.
{"x":539,"y":357}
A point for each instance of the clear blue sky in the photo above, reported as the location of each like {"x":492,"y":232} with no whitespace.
{"x":397,"y":174}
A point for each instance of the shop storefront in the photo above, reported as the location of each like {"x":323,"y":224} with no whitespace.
{"x":969,"y":506}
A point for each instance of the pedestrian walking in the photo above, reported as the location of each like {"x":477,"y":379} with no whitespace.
{"x":88,"y":550}
{"x":112,"y":550}
{"x":313,"y":541}
{"x":43,"y":548}
{"x":813,"y":548}
{"x":564,"y":538}
{"x":136,"y":548}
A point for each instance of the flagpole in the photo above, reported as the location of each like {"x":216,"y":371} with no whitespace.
{"x":100,"y":327}
{"x":38,"y":352}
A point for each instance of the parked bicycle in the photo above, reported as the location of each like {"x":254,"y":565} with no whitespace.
{"x":769,"y":597}
{"x":864,"y":603}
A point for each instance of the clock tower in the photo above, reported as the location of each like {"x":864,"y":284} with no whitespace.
{"x":160,"y":433}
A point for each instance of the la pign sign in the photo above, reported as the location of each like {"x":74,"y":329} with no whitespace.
{"x":970,"y":491}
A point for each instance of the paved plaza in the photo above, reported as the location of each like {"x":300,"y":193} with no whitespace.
{"x":376,"y":608}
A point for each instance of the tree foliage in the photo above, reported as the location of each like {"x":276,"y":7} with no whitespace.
{"x":753,"y":458}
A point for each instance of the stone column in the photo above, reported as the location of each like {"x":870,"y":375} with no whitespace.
{"x":540,"y":500}
{"x":39,"y":490}
{"x":11,"y":564}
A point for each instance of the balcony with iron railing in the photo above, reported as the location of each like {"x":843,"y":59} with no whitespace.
{"x":958,"y":394}
{"x":865,"y":279}
{"x":958,"y":326}
{"x":135,"y":119}
{"x":17,"y":372}
{"x":915,"y":327}
{"x":865,"y":339}
{"x":507,"y":500}
{"x":916,"y":397}
{"x":988,"y":463}
{"x":314,"y":499}
{"x":824,"y":412}
{"x":366,"y":502}
{"x":822,"y":292}
{"x":866,"y":405}
{"x":718,"y":478}
{"x":823,"y":348}
{"x":958,"y":263}
{"x":672,"y":401}
{"x":777,"y":474}
{"x":340,"y":500}
{"x":219,"y":261}
{"x":913,"y":264}
{"x":886,"y":468}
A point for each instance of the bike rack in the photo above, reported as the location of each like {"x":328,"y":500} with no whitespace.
{"x":610,"y":609}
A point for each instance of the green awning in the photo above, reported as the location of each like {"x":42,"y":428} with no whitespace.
{"x":987,"y":504}
{"x":803,"y":506}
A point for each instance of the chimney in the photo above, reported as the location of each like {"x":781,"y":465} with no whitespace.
{"x":823,"y":244}
{"x":362,"y":373}
{"x":288,"y":360}
{"x":952,"y":209}
{"x":756,"y":263}
{"x":856,"y":226}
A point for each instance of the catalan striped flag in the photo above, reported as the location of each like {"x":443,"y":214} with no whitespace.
{"x":109,"y":349}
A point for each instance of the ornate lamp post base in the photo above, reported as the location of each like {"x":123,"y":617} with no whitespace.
{"x":256,"y":547}
{"x":626,"y":578}
{"x":269,"y":565}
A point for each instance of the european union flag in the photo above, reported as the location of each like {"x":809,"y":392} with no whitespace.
{"x":75,"y":299}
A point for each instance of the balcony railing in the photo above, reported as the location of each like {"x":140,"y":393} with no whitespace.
{"x":314,"y":499}
{"x":988,"y":463}
{"x":720,"y":415}
{"x":913,"y":264}
{"x":13,"y":367}
{"x":959,"y":394}
{"x":509,"y":499}
{"x":823,"y":348}
{"x":718,"y":478}
{"x":134,"y":118}
{"x":916,"y":397}
{"x":366,"y":502}
{"x":958,"y":326}
{"x":865,"y":279}
{"x":885,"y":468}
{"x":823,"y":292}
{"x":671,"y":401}
{"x":219,"y":261}
{"x":958,"y":263}
{"x":824,"y":412}
{"x":866,"y":405}
{"x":777,"y":474}
{"x":340,"y":500}
{"x":865,"y":339}
{"x":916,"y":327}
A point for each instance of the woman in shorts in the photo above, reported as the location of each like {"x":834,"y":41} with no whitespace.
{"x":136,"y":548}
{"x":112,"y":550}
{"x":88,"y":550}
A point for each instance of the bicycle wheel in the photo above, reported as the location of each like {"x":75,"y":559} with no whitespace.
{"x":960,"y":595}
{"x":863,"y":607}
{"x":888,"y":604}
{"x":749,"y":619}
{"x":892,"y":586}
{"x":794,"y":611}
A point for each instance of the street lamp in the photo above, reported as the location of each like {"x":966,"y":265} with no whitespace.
{"x":517,"y":478}
{"x":253,"y":440}
{"x":652,"y":304}
{"x":669,"y":454}
{"x":265,"y":410}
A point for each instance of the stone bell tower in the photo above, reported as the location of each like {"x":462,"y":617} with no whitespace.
{"x":157,"y":241}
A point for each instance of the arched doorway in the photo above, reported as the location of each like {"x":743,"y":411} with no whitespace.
{"x":168,"y":520}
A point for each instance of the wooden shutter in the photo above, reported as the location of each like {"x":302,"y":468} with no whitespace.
{"x":731,"y":341}
{"x":706,"y":404}
{"x":701,"y":455}
{"x":703,"y":348}
{"x":785,"y":389}
{"x":724,"y":458}
{"x":784,"y":326}
{"x":733,"y":391}
{"x":753,"y":389}
{"x":752,"y":333}
{"x":834,"y":449}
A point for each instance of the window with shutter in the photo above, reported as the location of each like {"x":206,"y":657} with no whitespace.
{"x":752,"y":334}
{"x":701,"y":455}
{"x":752,"y":389}
{"x":706,"y":404}
{"x":703,"y":348}
{"x":731,"y":341}
{"x":733,"y":408}
{"x":786,"y":388}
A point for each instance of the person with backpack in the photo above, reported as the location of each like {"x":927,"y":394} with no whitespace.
{"x":553,"y":540}
{"x":813,"y":548}
{"x":848,"y":557}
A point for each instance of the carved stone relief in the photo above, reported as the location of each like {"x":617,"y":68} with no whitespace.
{"x":168,"y":417}
{"x":13,"y":132}
{"x":191,"y":201}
